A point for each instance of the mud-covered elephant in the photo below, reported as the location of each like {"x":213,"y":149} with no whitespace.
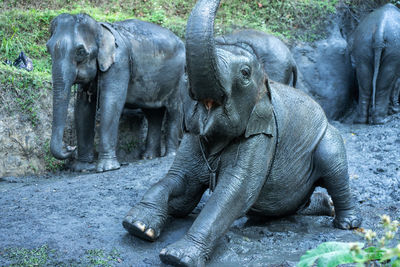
{"x":375,"y":53}
{"x":132,"y":64}
{"x":260,"y":146}
{"x":274,"y":55}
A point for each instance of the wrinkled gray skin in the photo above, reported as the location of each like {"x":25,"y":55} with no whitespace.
{"x":374,"y":48}
{"x":270,"y":145}
{"x":274,"y":55}
{"x":130,"y":63}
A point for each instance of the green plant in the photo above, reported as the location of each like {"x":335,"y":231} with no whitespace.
{"x":28,"y":257}
{"x":51,"y":163}
{"x":97,"y":257}
{"x":376,"y":251}
{"x":26,"y":89}
{"x":129,"y":145}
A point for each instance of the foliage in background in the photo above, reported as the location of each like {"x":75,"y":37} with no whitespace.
{"x":26,"y":88}
{"x":24,"y":24}
{"x":377,"y":252}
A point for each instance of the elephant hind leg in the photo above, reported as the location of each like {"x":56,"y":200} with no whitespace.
{"x":320,"y":204}
{"x":364,"y":77}
{"x":153,"y":140}
{"x":386,"y":84}
{"x":331,"y":162}
{"x":85,"y":112}
{"x":174,"y":130}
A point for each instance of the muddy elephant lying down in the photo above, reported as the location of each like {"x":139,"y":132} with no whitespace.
{"x":261,"y":146}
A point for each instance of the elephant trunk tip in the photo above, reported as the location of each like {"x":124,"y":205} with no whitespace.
{"x":59,"y":152}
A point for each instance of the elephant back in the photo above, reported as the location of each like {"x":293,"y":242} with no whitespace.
{"x":148,"y":45}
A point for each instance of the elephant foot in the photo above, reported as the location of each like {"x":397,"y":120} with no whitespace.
{"x":394,"y":109}
{"x":361,"y":120}
{"x":104,"y":165}
{"x":378,"y":120}
{"x":321,"y":205}
{"x":347,"y":220}
{"x":82,"y":166}
{"x":183,"y":253}
{"x":145,"y":221}
{"x":170,"y":153}
{"x":150,"y":154}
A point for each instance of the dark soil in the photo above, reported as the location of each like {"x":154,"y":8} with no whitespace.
{"x":75,"y":215}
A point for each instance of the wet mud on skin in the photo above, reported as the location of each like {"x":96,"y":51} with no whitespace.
{"x":74,"y":213}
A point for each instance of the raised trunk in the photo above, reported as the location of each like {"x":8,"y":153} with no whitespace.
{"x":204,"y":77}
{"x":61,"y":94}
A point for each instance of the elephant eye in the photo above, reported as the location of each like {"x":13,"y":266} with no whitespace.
{"x":246,"y":72}
{"x":81,"y":53}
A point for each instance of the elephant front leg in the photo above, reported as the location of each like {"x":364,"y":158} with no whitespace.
{"x":237,"y":190}
{"x":85,"y":112}
{"x":114,"y":86}
{"x":147,"y":218}
{"x":177,"y":194}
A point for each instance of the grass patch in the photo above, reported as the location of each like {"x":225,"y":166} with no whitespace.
{"x":97,"y":257}
{"x":44,"y":256}
{"x":28,"y":257}
{"x":51,"y":163}
{"x":26,"y":89}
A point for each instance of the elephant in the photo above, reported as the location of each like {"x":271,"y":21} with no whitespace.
{"x":395,"y":98}
{"x":132,"y":64}
{"x":374,"y":47}
{"x":260,"y":146}
{"x":274,"y":55}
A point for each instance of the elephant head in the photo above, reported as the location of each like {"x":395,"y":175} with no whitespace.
{"x":227,"y":80}
{"x":79,"y":46}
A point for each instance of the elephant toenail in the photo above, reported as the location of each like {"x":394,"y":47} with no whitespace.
{"x":150,"y":233}
{"x":163,"y":251}
{"x":139,"y":225}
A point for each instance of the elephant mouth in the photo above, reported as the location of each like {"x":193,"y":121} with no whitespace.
{"x":210,"y":104}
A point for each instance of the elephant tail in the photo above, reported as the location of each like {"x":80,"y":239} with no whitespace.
{"x":378,"y":45}
{"x":294,"y":70}
{"x":377,"y":62}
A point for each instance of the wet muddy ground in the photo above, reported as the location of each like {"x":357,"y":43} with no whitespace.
{"x":75,"y":219}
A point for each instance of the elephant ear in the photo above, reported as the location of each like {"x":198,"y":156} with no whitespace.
{"x":262,"y":118}
{"x":107,"y":47}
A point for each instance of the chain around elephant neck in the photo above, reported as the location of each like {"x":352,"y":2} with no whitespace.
{"x":213,"y":175}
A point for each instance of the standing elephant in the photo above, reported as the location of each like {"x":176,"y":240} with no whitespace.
{"x":129,"y":63}
{"x":260,"y":146}
{"x":274,"y":55}
{"x":375,"y":53}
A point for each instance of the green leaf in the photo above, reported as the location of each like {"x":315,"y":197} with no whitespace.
{"x":390,"y":253}
{"x":329,"y":254}
{"x":396,"y":263}
{"x":375,"y":253}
